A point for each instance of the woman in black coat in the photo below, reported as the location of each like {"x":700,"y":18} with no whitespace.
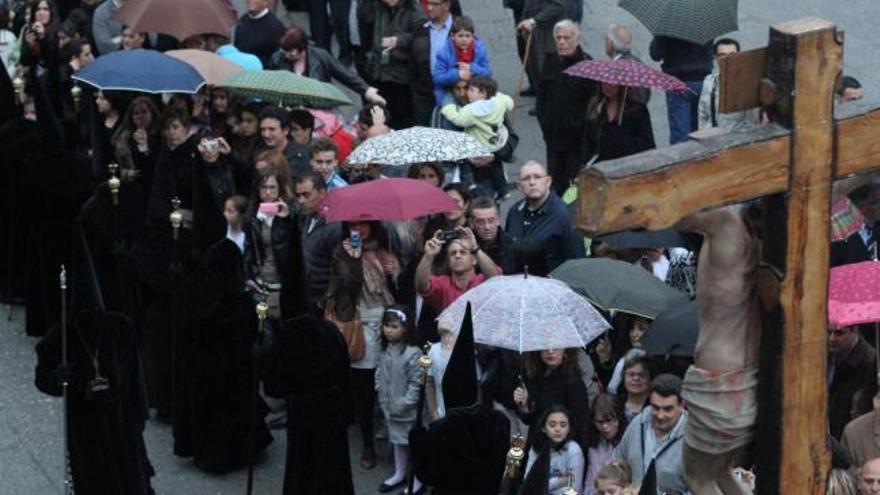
{"x":617,"y":125}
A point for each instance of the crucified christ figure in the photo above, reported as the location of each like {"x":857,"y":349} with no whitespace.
{"x":720,"y":388}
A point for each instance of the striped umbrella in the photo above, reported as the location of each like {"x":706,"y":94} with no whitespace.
{"x":285,"y":88}
{"x":697,"y":21}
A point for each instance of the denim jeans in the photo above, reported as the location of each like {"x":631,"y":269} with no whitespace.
{"x":681,"y":110}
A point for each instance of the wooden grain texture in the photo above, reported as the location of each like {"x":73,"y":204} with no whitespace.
{"x":857,"y":146}
{"x":656,"y":190}
{"x":808,"y":84}
{"x":741,"y":75}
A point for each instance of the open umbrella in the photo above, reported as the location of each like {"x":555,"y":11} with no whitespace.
{"x":632,"y":239}
{"x":626,"y":72}
{"x":697,"y":21}
{"x":846,"y":219}
{"x":854,"y":294}
{"x":285,"y":88}
{"x":525,"y":313}
{"x":211,"y":66}
{"x":145,"y":71}
{"x":417,"y":145}
{"x":614,"y":285}
{"x":179,"y":18}
{"x":673,"y":332}
{"x":385,"y":199}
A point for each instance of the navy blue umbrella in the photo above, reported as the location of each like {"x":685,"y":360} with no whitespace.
{"x":144,"y":71}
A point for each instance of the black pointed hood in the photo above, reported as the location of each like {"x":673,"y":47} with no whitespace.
{"x":460,"y":378}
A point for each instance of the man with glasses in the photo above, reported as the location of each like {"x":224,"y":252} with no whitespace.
{"x":852,"y":374}
{"x":541,"y":223}
{"x":484,"y":220}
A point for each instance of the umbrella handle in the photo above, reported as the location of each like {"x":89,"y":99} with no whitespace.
{"x":522,"y":73}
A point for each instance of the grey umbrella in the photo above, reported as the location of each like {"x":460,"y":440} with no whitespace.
{"x":614,"y":285}
{"x":674,"y":332}
{"x":699,"y":21}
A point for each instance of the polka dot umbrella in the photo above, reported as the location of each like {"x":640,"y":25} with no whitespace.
{"x":854,"y":294}
{"x":626,"y":73}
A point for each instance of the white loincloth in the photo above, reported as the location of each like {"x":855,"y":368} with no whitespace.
{"x":722,"y":408}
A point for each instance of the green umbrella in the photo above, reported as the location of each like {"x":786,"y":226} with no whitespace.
{"x":699,"y":21}
{"x":619,"y":286}
{"x":285,"y":88}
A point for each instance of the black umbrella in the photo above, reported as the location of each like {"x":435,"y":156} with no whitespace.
{"x":674,"y":332}
{"x":632,"y":239}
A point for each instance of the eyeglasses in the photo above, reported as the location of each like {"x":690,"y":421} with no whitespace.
{"x":608,"y":422}
{"x":635,"y":375}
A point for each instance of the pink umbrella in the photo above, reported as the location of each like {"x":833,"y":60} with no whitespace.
{"x":626,"y":72}
{"x":211,"y":66}
{"x":385,"y":199}
{"x":854,"y":294}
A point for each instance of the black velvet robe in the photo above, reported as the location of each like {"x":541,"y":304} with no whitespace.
{"x":308,"y":365}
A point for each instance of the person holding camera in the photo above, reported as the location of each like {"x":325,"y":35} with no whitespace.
{"x":463,"y":255}
{"x":363,"y":281}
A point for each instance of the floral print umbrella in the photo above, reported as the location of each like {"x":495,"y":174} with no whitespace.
{"x":626,"y":72}
{"x":417,"y":145}
{"x":525,"y":313}
{"x":854,"y":294}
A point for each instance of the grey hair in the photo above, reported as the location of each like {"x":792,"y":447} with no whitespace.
{"x":619,"y":37}
{"x":533,"y":163}
{"x":568,"y":24}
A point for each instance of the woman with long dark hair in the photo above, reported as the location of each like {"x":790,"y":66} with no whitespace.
{"x":618,"y":125}
{"x":137,"y":146}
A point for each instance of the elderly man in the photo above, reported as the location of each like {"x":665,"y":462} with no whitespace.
{"x":618,"y":46}
{"x":861,"y":437}
{"x":707,"y":112}
{"x":484,"y":220}
{"x":541,"y":221}
{"x":869,"y":477}
{"x":463,"y":255}
{"x":655,"y":437}
{"x":562,"y":107}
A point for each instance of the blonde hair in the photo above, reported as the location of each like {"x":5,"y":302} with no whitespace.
{"x":617,"y":472}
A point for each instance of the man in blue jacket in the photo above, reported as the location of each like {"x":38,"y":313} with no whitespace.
{"x":542,"y":221}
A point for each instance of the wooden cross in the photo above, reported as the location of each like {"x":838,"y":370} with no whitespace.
{"x":799,"y":156}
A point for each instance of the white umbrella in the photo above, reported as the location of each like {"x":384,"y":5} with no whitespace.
{"x":417,"y":145}
{"x":525,"y":313}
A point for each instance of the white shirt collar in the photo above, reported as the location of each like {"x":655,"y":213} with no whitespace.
{"x":257,"y":16}
{"x":236,"y":237}
{"x":267,"y":219}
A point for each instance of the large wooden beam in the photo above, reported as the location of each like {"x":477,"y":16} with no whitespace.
{"x":804,"y":60}
{"x":656,"y":189}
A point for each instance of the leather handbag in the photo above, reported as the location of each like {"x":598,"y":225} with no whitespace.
{"x":352,"y":331}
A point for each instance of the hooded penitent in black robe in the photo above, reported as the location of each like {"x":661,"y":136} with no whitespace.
{"x":162,"y":265}
{"x":227,"y":410}
{"x":307,"y":364}
{"x":463,"y":453}
{"x":104,"y":428}
{"x":53,"y":183}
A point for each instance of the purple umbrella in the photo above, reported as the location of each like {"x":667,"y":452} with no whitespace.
{"x":626,"y":72}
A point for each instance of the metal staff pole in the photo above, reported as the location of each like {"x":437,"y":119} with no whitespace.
{"x":262,"y":310}
{"x":67,"y":488}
